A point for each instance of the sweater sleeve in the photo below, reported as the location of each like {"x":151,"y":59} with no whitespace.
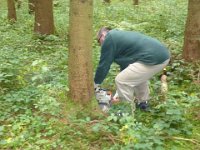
{"x":106,"y":59}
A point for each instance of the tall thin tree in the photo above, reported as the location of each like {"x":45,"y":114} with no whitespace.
{"x":135,"y":2}
{"x":80,"y":51}
{"x":12,"y":16}
{"x":107,"y":1}
{"x":44,"y":22}
{"x":191,"y":48}
{"x":31,"y":6}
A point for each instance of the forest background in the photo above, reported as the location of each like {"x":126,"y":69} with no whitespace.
{"x":35,"y":112}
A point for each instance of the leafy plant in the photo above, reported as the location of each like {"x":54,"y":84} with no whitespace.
{"x":35,"y":112}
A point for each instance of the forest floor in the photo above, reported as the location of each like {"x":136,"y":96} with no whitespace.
{"x":35,"y":112}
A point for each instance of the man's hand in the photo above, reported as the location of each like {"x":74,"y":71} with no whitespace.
{"x":96,"y":87}
{"x":115,"y":98}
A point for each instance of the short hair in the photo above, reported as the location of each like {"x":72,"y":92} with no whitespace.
{"x":103,"y":29}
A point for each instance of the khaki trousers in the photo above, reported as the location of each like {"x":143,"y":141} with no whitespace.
{"x":132,"y":82}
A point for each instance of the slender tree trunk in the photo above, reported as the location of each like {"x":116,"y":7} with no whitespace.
{"x":191,"y":48}
{"x":135,"y":2}
{"x":44,"y":22}
{"x":80,"y":51}
{"x":107,"y":1}
{"x":31,"y":6}
{"x":11,"y":11}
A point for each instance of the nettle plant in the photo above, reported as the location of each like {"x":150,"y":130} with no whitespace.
{"x":8,"y":69}
{"x":167,"y":119}
{"x":153,"y":129}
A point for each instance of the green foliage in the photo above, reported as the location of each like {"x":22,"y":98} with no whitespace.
{"x":36,"y":114}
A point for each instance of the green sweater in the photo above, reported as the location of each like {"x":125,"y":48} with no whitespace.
{"x":127,"y":47}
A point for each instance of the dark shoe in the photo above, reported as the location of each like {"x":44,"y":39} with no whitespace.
{"x":143,"y":106}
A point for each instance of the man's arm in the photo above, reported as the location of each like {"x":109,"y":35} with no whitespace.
{"x":106,"y":59}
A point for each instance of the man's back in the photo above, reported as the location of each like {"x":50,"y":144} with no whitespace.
{"x":130,"y":47}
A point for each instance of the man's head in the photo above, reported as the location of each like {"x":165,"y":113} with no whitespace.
{"x":102,"y":33}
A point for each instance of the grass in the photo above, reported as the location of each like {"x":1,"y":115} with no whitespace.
{"x":35,"y":112}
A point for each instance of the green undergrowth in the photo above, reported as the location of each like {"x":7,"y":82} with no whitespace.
{"x":35,"y":112}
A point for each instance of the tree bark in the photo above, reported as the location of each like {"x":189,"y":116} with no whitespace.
{"x":44,"y":22}
{"x":80,"y":51}
{"x":11,"y":11}
{"x":107,"y":1}
{"x":135,"y":2}
{"x":191,"y":48}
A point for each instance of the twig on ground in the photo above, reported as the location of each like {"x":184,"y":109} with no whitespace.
{"x":194,"y":141}
{"x":112,"y":139}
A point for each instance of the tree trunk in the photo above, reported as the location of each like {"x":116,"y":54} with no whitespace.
{"x":107,"y":1}
{"x":191,"y":48}
{"x":135,"y":2}
{"x":80,"y":51}
{"x":44,"y":22}
{"x":31,"y":6}
{"x":11,"y":11}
